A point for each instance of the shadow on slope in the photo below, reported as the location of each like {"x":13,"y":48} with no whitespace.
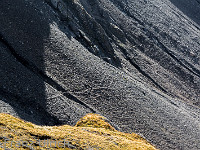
{"x":190,"y":8}
{"x":23,"y":32}
{"x":25,"y":89}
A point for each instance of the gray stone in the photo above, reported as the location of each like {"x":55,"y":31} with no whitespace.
{"x":135,"y":62}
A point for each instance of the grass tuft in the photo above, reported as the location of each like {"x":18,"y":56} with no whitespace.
{"x":95,"y":121}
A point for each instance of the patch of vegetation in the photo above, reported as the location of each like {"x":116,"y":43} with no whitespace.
{"x":95,"y":121}
{"x":91,"y":132}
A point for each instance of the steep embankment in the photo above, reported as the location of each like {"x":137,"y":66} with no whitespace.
{"x":135,"y":62}
{"x":91,"y":132}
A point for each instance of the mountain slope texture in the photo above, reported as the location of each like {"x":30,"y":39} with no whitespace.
{"x":135,"y":62}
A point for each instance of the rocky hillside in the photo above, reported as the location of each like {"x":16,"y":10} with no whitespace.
{"x":135,"y":62}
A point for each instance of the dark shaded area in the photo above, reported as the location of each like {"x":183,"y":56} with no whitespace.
{"x":21,"y":40}
{"x":190,"y":8}
{"x":24,"y":83}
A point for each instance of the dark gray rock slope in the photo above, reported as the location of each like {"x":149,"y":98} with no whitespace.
{"x":135,"y":62}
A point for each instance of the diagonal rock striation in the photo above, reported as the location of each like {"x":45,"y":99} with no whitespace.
{"x":135,"y":62}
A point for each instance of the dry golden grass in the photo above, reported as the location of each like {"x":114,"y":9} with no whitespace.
{"x":95,"y":121}
{"x":91,"y":132}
